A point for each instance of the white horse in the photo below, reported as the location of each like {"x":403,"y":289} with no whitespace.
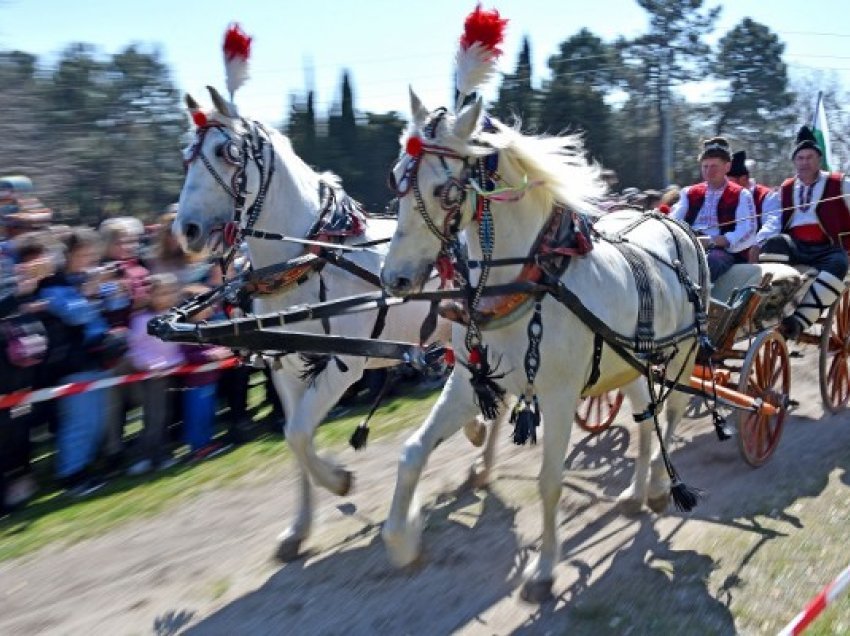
{"x":290,"y":202}
{"x":442,"y":162}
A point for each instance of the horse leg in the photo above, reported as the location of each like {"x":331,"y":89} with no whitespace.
{"x":539,"y":574}
{"x":308,"y":413}
{"x":632,"y":499}
{"x":290,"y":389}
{"x":305,"y":407}
{"x":402,"y":531}
{"x":482,"y":469}
{"x":658,"y":496}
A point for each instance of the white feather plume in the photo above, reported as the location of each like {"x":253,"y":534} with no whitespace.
{"x":475,"y":65}
{"x":235,"y":72}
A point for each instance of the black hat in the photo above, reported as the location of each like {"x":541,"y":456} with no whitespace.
{"x":739,"y":166}
{"x":806,"y":139}
{"x":715,"y":147}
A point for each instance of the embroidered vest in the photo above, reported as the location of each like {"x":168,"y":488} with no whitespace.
{"x":726,"y":206}
{"x":832,"y":211}
{"x":760,"y":192}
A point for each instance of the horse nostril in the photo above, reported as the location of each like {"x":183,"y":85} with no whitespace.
{"x":402,"y":284}
{"x":192,"y":231}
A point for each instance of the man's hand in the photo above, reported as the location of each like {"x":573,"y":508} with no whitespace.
{"x":720,"y":241}
{"x":753,"y":255}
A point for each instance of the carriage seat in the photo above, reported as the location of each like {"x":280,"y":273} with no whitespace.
{"x":739,"y":276}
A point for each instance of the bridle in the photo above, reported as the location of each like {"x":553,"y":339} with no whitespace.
{"x":452,"y":192}
{"x":237,"y":153}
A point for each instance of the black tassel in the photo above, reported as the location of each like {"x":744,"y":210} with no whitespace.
{"x":314,"y":365}
{"x":341,"y":365}
{"x":720,"y":427}
{"x":488,"y":394}
{"x":526,"y":418}
{"x":685,"y":498}
{"x":359,"y":436}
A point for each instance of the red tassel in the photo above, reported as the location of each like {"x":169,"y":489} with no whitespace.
{"x":199,"y":118}
{"x":237,"y":43}
{"x":445,"y":270}
{"x":230,"y":231}
{"x":485,"y":27}
{"x":449,"y":356}
{"x":413,"y":147}
{"x":475,"y":356}
{"x":664,"y":208}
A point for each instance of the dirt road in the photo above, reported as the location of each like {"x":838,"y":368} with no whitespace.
{"x":206,"y":567}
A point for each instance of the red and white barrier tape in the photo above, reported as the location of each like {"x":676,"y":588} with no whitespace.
{"x":826,"y":596}
{"x":41,"y":395}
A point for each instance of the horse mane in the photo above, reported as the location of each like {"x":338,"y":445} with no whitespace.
{"x":556,"y":164}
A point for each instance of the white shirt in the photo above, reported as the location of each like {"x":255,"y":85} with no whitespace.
{"x":771,"y":217}
{"x":744,"y":234}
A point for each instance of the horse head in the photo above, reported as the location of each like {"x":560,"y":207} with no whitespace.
{"x":431,"y":179}
{"x":224,"y":176}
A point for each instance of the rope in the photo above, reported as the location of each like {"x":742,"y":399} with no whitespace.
{"x":42,"y":395}
{"x":756,"y":216}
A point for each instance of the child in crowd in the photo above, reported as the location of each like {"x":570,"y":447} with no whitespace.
{"x":77,"y":332}
{"x":199,"y":396}
{"x":149,"y":353}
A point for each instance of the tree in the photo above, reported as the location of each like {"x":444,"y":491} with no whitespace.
{"x":582,"y":71}
{"x":750,"y":60}
{"x":116,"y":124}
{"x":301,"y":128}
{"x":671,"y":52}
{"x":517,"y":97}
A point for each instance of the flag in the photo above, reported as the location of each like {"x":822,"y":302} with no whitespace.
{"x":820,"y":129}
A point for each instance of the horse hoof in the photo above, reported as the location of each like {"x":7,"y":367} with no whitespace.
{"x":537,"y":591}
{"x":345,"y":479}
{"x":658,"y":504}
{"x":402,"y":549}
{"x":288,"y":549}
{"x":476,"y":433}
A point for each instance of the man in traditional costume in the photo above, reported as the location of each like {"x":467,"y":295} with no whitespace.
{"x":763,"y":196}
{"x":811,"y":227}
{"x":720,"y":209}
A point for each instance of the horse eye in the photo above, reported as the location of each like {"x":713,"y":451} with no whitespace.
{"x":391,"y":181}
{"x":438,"y":191}
{"x":230,"y":152}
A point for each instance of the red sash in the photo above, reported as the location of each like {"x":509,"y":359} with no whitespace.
{"x":811,"y":233}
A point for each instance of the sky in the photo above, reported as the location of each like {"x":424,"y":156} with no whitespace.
{"x":386,"y":46}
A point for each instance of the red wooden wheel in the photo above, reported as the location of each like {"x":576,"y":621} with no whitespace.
{"x":835,"y":354}
{"x":596,"y":413}
{"x":765,"y":374}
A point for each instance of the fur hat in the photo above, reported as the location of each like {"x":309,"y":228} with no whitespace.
{"x":715,"y":147}
{"x":739,"y":165}
{"x":806,"y":139}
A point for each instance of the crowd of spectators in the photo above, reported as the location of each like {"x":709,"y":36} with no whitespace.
{"x":74,"y":306}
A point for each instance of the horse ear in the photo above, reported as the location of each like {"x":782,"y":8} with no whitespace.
{"x":419,"y":112}
{"x":467,"y":121}
{"x":220,"y":103}
{"x":191,"y":104}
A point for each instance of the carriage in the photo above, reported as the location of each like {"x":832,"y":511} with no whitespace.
{"x":752,"y":358}
{"x":651,"y":268}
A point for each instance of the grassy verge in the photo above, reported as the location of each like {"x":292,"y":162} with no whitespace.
{"x":54,"y":517}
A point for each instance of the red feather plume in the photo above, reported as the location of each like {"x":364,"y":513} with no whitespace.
{"x":483,"y":32}
{"x":237,"y":43}
{"x":486,"y":27}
